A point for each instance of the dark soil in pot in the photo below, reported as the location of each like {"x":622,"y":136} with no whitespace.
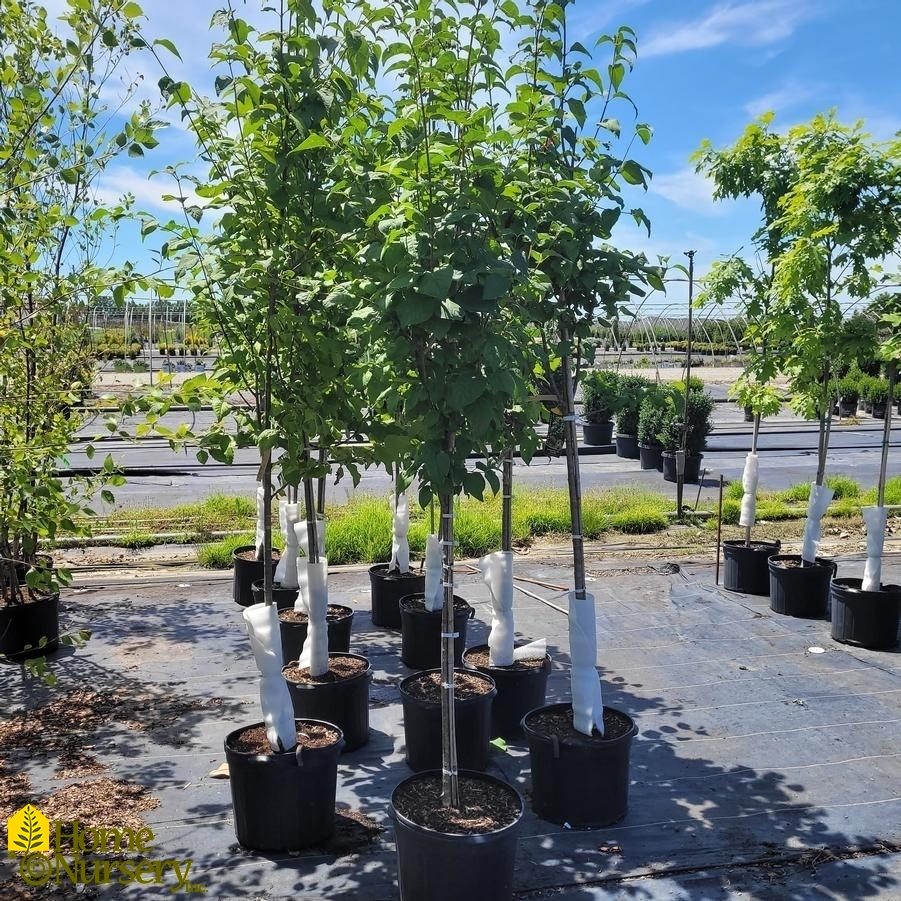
{"x":579,"y":779}
{"x":283,"y":801}
{"x":421,"y":699}
{"x":23,"y":626}
{"x":866,"y":619}
{"x":293,"y":627}
{"x":421,"y":632}
{"x":339,"y":696}
{"x":247,"y":569}
{"x":797,"y":589}
{"x":283,"y":598}
{"x":746,"y":567}
{"x":445,"y":854}
{"x":521,"y":687}
{"x":387,"y":589}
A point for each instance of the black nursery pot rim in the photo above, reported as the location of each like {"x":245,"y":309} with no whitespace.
{"x":854,"y":585}
{"x":252,"y":755}
{"x":382,"y":569}
{"x":346,"y":612}
{"x":402,"y":687}
{"x":597,"y":739}
{"x":397,"y":816}
{"x":756,"y":543}
{"x":777,"y":561}
{"x":418,"y":595}
{"x":546,"y":663}
{"x":304,"y":685}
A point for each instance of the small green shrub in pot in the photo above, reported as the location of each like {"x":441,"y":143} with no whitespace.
{"x":699,"y":422}
{"x":849,"y":387}
{"x":632,"y":391}
{"x":600,"y":395}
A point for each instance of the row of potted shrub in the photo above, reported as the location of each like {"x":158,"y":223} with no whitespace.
{"x":649,"y":418}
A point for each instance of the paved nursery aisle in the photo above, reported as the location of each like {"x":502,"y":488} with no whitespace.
{"x":762,"y":768}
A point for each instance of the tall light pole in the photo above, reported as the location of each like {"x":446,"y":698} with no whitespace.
{"x":680,"y":454}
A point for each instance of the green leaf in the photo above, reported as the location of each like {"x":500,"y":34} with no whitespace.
{"x":437,"y":282}
{"x":168,"y":45}
{"x":313,"y":141}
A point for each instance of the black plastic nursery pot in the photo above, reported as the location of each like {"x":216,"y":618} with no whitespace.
{"x":342,"y":701}
{"x":23,"y":626}
{"x":422,"y":724}
{"x":444,"y":866}
{"x":339,"y":622}
{"x":520,"y":688}
{"x":847,"y":407}
{"x":651,"y":456}
{"x":246,"y":571}
{"x":627,"y":447}
{"x":867,"y":619}
{"x":797,"y":589}
{"x":746,"y":567}
{"x":283,"y":801}
{"x":283,"y":598}
{"x":579,"y":779}
{"x":692,"y":467}
{"x":596,"y":433}
{"x":387,"y":590}
{"x":421,"y":632}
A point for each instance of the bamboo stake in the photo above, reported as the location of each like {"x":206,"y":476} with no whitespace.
{"x":572,"y":470}
{"x":450,"y":784}
{"x":507,"y":505}
{"x":312,"y":530}
{"x":886,"y":434}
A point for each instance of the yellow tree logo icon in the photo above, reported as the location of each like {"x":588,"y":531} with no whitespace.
{"x":28,"y":830}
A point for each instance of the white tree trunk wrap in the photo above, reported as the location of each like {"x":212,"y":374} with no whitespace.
{"x":749,"y":479}
{"x":497,"y":573}
{"x":286,"y":571}
{"x":261,"y":520}
{"x":303,"y":542}
{"x":315,"y":649}
{"x":400,"y":547}
{"x":820,"y":498}
{"x":261,"y":623}
{"x":585,"y":683}
{"x":874,"y":517}
{"x":434,"y":593}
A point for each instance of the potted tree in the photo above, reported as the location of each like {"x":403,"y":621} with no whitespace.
{"x":746,"y":561}
{"x":866,"y":612}
{"x":53,"y":149}
{"x":600,"y":403}
{"x":849,"y":392}
{"x":822,"y":245}
{"x":570,"y":203}
{"x":274,"y":280}
{"x":440,"y":277}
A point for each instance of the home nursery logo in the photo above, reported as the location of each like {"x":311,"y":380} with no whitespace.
{"x":29,"y":835}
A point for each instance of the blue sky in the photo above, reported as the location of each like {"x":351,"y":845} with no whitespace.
{"x":705,"y":70}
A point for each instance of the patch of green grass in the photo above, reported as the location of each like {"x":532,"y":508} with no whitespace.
{"x":136,"y":539}
{"x":359,"y":532}
{"x":843,"y":486}
{"x":218,"y":554}
{"x":892,"y":493}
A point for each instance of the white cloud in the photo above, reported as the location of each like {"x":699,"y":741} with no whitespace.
{"x":790,"y":95}
{"x":688,"y":189}
{"x":147,"y":192}
{"x":752,"y":23}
